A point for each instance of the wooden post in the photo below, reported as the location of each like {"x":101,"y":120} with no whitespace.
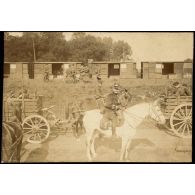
{"x":23,"y":113}
{"x":34,"y":50}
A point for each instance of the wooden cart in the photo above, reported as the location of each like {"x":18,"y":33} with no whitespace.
{"x":36,"y":127}
{"x":178,"y":112}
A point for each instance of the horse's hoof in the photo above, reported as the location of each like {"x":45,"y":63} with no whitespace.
{"x":94,"y":155}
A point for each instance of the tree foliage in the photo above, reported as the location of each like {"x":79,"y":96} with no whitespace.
{"x":52,"y":46}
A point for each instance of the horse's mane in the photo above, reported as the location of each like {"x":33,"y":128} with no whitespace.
{"x":135,"y":105}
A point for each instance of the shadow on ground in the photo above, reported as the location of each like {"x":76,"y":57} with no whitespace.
{"x":31,"y":151}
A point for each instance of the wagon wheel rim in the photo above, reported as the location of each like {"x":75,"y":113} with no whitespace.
{"x":36,"y":128}
{"x":181,"y":120}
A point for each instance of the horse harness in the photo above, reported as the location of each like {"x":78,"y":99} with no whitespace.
{"x":151,"y":108}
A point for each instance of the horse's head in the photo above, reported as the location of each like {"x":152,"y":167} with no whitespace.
{"x":155,"y":112}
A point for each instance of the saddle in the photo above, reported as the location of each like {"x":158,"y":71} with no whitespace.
{"x":106,"y":124}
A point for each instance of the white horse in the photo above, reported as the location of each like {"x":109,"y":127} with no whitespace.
{"x":133,"y":118}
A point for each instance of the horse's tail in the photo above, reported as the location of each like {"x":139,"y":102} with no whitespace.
{"x":12,"y":135}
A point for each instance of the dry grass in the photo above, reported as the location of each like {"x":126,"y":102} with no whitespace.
{"x":58,"y":91}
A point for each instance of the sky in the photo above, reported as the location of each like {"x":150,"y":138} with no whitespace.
{"x":152,"y":46}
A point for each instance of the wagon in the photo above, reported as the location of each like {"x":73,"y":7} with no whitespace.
{"x":36,"y":120}
{"x":178,"y":113}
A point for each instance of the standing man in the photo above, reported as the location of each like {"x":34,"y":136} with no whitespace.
{"x":46,"y":77}
{"x":99,"y":92}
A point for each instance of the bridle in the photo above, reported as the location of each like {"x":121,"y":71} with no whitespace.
{"x":157,"y":115}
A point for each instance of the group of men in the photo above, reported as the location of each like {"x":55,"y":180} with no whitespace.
{"x":77,"y":74}
{"x":178,"y":89}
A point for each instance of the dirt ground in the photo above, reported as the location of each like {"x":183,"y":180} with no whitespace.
{"x":150,"y":144}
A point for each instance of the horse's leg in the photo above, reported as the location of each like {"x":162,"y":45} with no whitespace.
{"x":95,"y":134}
{"x":126,"y":149}
{"x":77,"y":129}
{"x":19,"y":147}
{"x":88,"y":148}
{"x":88,"y":145}
{"x":123,"y":148}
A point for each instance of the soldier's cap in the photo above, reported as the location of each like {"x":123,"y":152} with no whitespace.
{"x":116,"y":86}
{"x":176,"y":83}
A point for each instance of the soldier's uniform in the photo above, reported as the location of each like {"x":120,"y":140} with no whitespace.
{"x":46,"y":76}
{"x":76,"y":110}
{"x":183,"y":91}
{"x":99,"y":92}
{"x":178,"y":90}
{"x":112,"y":106}
{"x":172,"y":89}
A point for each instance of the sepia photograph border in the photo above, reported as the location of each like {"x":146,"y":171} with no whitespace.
{"x":2,"y":62}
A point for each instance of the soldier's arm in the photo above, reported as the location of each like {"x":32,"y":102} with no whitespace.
{"x":178,"y":92}
{"x":108,"y":102}
{"x":187,"y":91}
{"x":169,"y":90}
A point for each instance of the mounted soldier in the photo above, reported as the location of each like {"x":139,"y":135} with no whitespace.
{"x":113,"y":111}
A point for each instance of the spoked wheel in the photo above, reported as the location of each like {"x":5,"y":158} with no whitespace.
{"x":181,"y":120}
{"x":36,"y":128}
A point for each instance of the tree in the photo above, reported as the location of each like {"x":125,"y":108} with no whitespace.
{"x":52,"y":46}
{"x":31,"y":38}
{"x":84,"y":47}
{"x":121,"y":50}
{"x":108,"y":46}
{"x":55,"y":44}
{"x":78,"y":35}
{"x":17,"y":49}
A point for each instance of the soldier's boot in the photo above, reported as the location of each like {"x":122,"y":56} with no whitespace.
{"x":114,"y":135}
{"x":103,"y":123}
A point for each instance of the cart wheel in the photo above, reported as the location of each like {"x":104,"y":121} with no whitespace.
{"x":36,"y":128}
{"x":181,"y":120}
